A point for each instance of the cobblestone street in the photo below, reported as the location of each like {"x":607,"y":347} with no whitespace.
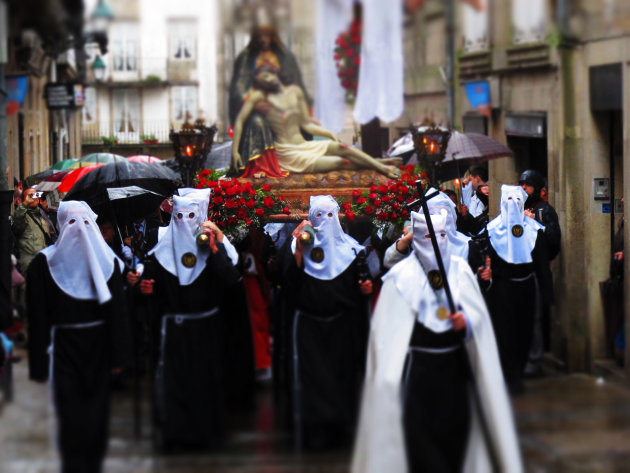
{"x":568,"y":424}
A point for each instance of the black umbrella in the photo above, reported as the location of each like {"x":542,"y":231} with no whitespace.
{"x":469,"y":149}
{"x":125,"y":189}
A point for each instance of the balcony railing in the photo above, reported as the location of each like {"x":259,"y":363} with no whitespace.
{"x":91,"y":133}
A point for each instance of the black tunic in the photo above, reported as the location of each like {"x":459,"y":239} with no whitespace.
{"x":190,"y":386}
{"x":329,"y":339}
{"x":81,"y":360}
{"x":436,"y":410}
{"x":512,"y":302}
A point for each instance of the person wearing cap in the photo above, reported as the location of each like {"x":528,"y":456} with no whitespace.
{"x":78,"y":333}
{"x":327,"y":305}
{"x":521,"y":281}
{"x":186,"y":276}
{"x":417,"y":413}
{"x":539,"y":209}
{"x":30,"y":228}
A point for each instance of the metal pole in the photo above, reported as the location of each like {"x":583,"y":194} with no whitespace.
{"x":611,"y":164}
{"x":449,"y":11}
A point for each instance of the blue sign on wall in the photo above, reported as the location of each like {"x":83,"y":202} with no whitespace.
{"x":478,"y":93}
{"x":606,"y":208}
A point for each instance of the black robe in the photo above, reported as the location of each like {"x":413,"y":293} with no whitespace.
{"x":516,"y":293}
{"x":329,"y":331}
{"x":81,"y":360}
{"x":193,"y":351}
{"x":436,"y":411}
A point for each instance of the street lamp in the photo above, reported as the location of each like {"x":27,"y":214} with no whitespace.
{"x":191,"y":145}
{"x":96,"y":31}
{"x":99,"y":68}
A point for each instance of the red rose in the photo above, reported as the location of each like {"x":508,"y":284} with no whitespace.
{"x":286,"y":210}
{"x":369,"y":210}
{"x":377,"y":202}
{"x":241,"y":213}
{"x":394,"y":215}
{"x":232,"y":220}
{"x":372,"y":196}
{"x":230,"y":204}
{"x":248,"y":221}
{"x":356,"y":193}
{"x":337,"y":56}
{"x":361,"y":200}
{"x":405,"y":214}
{"x":404,"y":189}
{"x":269,"y":202}
{"x":266,"y":187}
{"x":218,"y":200}
{"x":346,"y":206}
{"x":350,"y":215}
{"x":396,"y":206}
{"x":357,"y":61}
{"x":382,"y":216}
{"x":386,"y":198}
{"x":251,"y":203}
{"x":251,"y":192}
{"x":213,"y":183}
{"x":260,"y":212}
{"x":401,"y":198}
{"x":225,"y":184}
{"x":373,"y":188}
{"x":383,"y":189}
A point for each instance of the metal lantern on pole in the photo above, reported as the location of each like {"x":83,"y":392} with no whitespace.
{"x":99,"y":68}
{"x":191,"y":145}
{"x":430,"y":143}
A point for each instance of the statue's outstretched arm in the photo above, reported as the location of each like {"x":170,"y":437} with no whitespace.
{"x":306,"y":121}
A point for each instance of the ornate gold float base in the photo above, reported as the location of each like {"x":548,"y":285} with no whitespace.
{"x":300,"y":187}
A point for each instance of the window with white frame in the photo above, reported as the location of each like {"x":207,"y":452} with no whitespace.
{"x":89,"y":107}
{"x":126,"y":114}
{"x":182,"y":40}
{"x":530,"y":21}
{"x":184,"y":103}
{"x":475,"y":19}
{"x":124,"y":47}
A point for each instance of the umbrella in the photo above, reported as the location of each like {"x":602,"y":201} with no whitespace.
{"x":39,"y":177}
{"x":468,"y":149}
{"x":94,"y":187}
{"x":64,"y":164}
{"x":126,"y":204}
{"x":144,"y":158}
{"x":102,"y":158}
{"x":71,"y":179}
{"x":220,"y":157}
{"x":53,"y":181}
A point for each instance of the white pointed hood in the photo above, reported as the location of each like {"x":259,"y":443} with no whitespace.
{"x":417,"y":266}
{"x":81,"y":262}
{"x":512,"y":234}
{"x":178,"y":245}
{"x":458,"y":242}
{"x":337,"y":248}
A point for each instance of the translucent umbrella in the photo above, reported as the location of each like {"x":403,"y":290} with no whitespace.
{"x":64,"y":164}
{"x":53,"y":181}
{"x":97,"y":158}
{"x":144,"y":158}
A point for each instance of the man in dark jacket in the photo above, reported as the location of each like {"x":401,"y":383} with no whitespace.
{"x":30,"y":228}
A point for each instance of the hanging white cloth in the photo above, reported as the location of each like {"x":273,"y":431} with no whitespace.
{"x":81,"y":262}
{"x":338,"y":250}
{"x":381,"y":75}
{"x":512,"y":234}
{"x":333,"y":17}
{"x":177,"y":251}
{"x":202,"y":197}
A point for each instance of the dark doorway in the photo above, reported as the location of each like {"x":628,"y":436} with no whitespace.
{"x":529,"y":153}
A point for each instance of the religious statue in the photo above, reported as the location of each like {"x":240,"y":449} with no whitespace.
{"x":285,"y":109}
{"x":265,"y":48}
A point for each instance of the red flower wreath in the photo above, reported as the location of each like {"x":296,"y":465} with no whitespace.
{"x":348,"y":59}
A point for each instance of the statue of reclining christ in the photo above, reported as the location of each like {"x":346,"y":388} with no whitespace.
{"x":286,"y":111}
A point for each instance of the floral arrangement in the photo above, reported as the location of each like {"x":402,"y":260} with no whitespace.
{"x":236,"y":206}
{"x":385,"y":205}
{"x":348,"y":59}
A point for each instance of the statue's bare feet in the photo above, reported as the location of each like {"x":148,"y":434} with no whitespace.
{"x":392,"y":161}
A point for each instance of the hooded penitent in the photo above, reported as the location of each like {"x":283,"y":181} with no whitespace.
{"x":177,"y":250}
{"x":81,"y":262}
{"x":202,"y":197}
{"x":512,"y":234}
{"x":332,"y":250}
{"x":458,"y":242}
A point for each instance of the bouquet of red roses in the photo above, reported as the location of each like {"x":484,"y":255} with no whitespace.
{"x":348,"y":59}
{"x":385,"y":205}
{"x":236,"y":206}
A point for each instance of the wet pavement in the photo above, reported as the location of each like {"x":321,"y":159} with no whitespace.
{"x":567,"y":424}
